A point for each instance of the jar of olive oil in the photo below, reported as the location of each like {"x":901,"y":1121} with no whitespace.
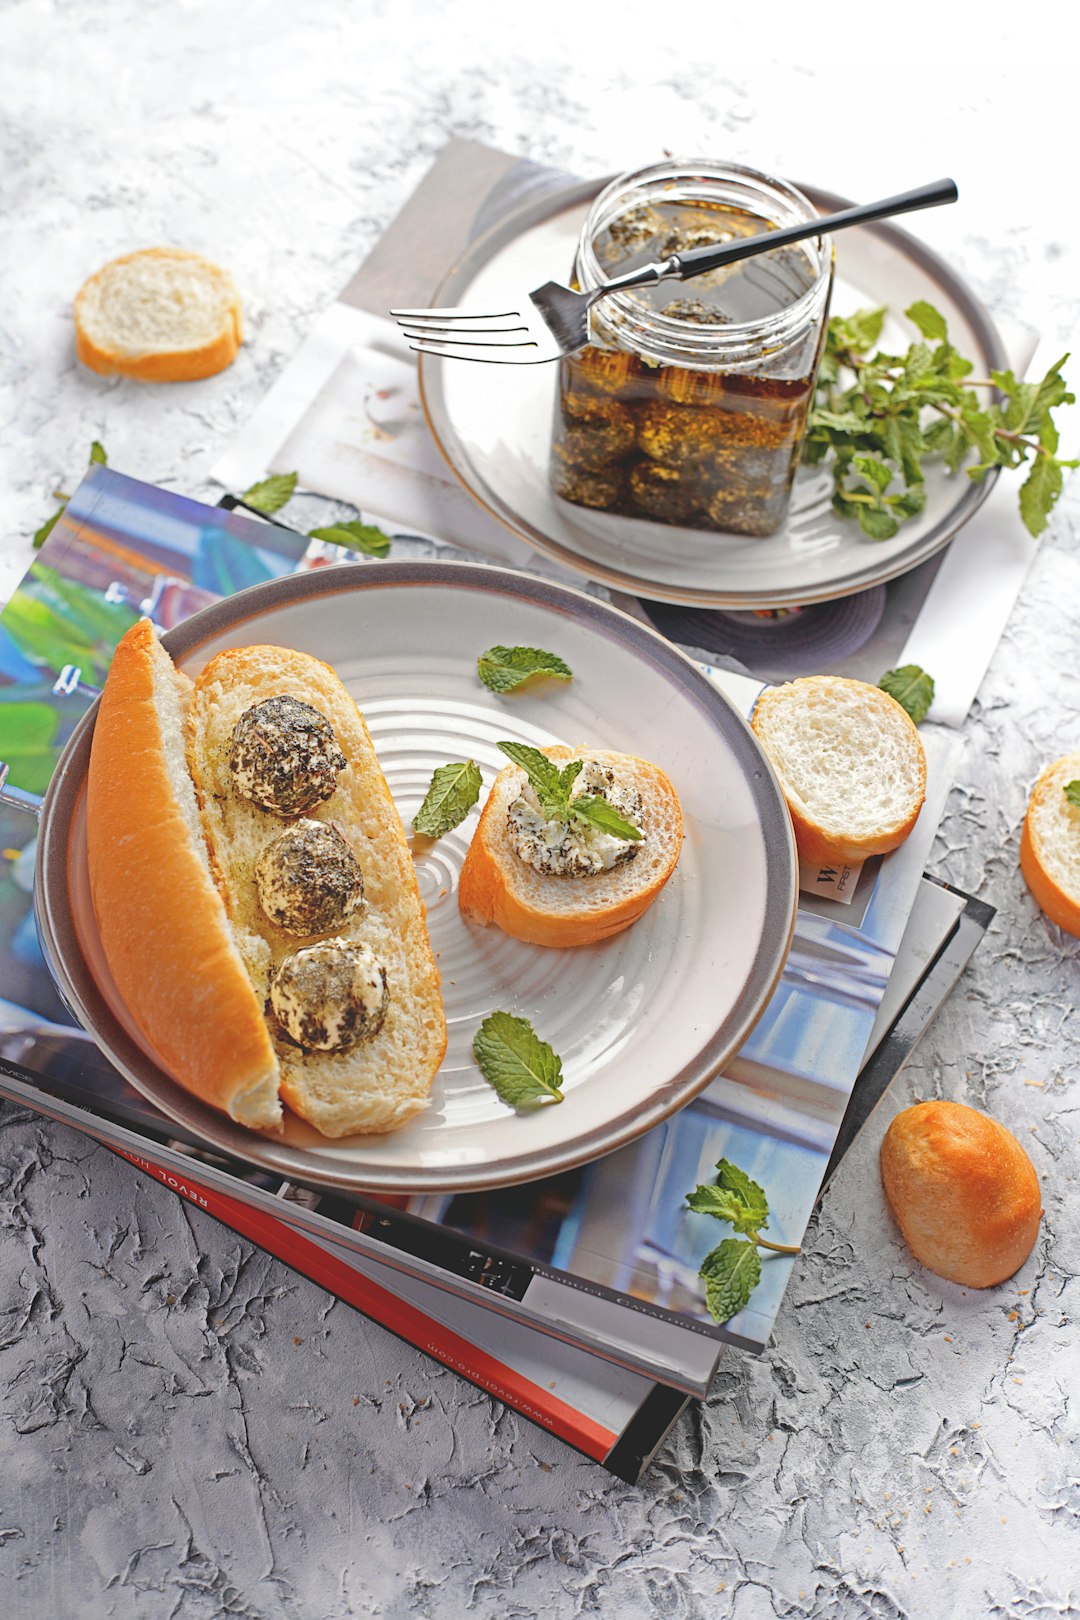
{"x":690,"y":404}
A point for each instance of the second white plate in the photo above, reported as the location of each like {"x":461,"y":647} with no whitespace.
{"x":493,"y":424}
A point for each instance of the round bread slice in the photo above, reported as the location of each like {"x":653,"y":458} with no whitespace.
{"x":964,"y":1192}
{"x":850,"y":762}
{"x":380,"y":1083}
{"x":161,"y":919}
{"x":497,"y":886}
{"x":161,"y":315}
{"x":1050,"y":844}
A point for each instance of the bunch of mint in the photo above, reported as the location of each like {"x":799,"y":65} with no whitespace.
{"x":882,"y":415}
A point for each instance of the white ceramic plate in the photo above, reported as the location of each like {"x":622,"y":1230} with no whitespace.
{"x":643,"y":1021}
{"x":493,"y":425}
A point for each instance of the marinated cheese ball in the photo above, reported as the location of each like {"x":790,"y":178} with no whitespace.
{"x":308,"y":879}
{"x":666,"y":493}
{"x":284,"y":757}
{"x":595,"y":431}
{"x":598,"y":488}
{"x":330,"y":996}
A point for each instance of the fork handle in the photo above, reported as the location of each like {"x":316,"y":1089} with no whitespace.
{"x":696,"y":261}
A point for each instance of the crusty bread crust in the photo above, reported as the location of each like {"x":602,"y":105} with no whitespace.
{"x":964,"y":1192}
{"x":185,"y":364}
{"x":1047,"y":804}
{"x":828,"y":845}
{"x":381,"y":1083}
{"x":161,"y":920}
{"x":495,"y":887}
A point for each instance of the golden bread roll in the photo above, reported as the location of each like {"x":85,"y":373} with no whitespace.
{"x":963,"y":1190}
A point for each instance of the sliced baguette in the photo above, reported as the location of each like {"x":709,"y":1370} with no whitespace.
{"x":850,"y":762}
{"x":1050,"y":845}
{"x":496,"y":886}
{"x":162,"y":315}
{"x":382,"y":1082}
{"x":161,"y":919}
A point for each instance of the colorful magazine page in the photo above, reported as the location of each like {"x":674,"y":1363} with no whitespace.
{"x":620,"y":1226}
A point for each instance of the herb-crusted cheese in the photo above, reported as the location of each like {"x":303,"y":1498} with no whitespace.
{"x":572,"y":847}
{"x":329,"y":996}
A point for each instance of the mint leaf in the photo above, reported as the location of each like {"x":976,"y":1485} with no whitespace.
{"x":721,"y":1202}
{"x":599,"y":813}
{"x":504,"y":669}
{"x":1072,"y":793}
{"x":736,"y":1181}
{"x":453,"y":792}
{"x":551,"y":785}
{"x":730,"y":1272}
{"x":876,"y":523}
{"x":912,"y":688}
{"x":42,"y":534}
{"x":98,"y":458}
{"x":513,"y":1059}
{"x":363,"y":537}
{"x":269,"y":495}
{"x":930,"y":321}
{"x":1038,"y":492}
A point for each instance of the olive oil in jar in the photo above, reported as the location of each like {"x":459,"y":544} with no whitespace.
{"x":691,"y":404}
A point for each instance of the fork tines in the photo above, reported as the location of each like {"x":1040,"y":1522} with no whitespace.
{"x":467,"y":334}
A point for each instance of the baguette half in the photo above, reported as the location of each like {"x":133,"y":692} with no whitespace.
{"x":380,"y":1083}
{"x":162,"y":922}
{"x":160,"y":315}
{"x":1050,"y":844}
{"x":497,"y":886}
{"x":850,"y":762}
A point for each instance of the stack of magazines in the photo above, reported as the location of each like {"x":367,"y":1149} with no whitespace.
{"x":575,"y":1299}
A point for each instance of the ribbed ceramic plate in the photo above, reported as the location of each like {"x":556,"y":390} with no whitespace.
{"x":493,"y":425}
{"x":642,"y":1021}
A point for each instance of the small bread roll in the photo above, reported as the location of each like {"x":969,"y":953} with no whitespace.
{"x":850,"y":762}
{"x":1050,"y":844}
{"x":963,"y":1190}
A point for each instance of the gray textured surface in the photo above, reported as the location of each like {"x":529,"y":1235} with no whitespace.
{"x":188,"y":1428}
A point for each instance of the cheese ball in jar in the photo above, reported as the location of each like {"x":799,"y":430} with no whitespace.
{"x":690,"y":403}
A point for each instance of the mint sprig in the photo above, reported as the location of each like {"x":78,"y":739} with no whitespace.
{"x":552,"y":789}
{"x":881,"y":416}
{"x":453,"y":792}
{"x":732,"y":1270}
{"x":522,"y":1069}
{"x":912,"y":688}
{"x":504,"y":669}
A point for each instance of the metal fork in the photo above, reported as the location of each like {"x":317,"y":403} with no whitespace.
{"x":554,"y":320}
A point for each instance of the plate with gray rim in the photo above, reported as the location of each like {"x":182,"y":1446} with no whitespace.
{"x":493,"y":426}
{"x":643,"y":1021}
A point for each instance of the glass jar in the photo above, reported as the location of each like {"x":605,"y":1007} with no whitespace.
{"x":690,"y":404}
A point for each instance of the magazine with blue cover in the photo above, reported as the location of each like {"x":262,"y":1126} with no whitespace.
{"x":618,"y":1229}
